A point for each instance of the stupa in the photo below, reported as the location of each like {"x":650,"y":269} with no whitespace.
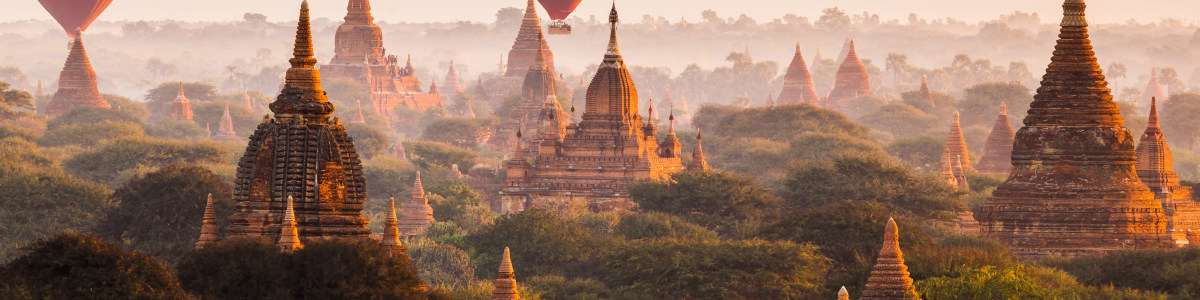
{"x":225,"y":127}
{"x":1073,"y":189}
{"x":453,"y":85}
{"x":538,"y":111}
{"x":417,"y":213}
{"x":597,"y":157}
{"x":522,"y":56}
{"x":76,"y":83}
{"x":300,"y":153}
{"x":208,"y":228}
{"x":925,"y":94}
{"x":391,"y":229}
{"x":798,"y":84}
{"x":1156,"y":168}
{"x":699,"y":163}
{"x":889,"y":278}
{"x":851,"y":82}
{"x":957,"y":145}
{"x":1154,"y":89}
{"x":505,"y":286}
{"x":181,"y":108}
{"x":997,"y":153}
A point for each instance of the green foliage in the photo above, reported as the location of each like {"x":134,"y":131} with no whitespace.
{"x":845,"y":231}
{"x":454,"y":200}
{"x":389,"y":177}
{"x":426,"y":155}
{"x":924,"y":152}
{"x":727,"y":203}
{"x":441,"y":265}
{"x":77,"y":266}
{"x":981,"y":103}
{"x":368,"y":141}
{"x":745,"y":269}
{"x":757,"y":156}
{"x":89,"y":135}
{"x":984,"y":283}
{"x":7,"y":131}
{"x":952,"y":255}
{"x":981,"y":182}
{"x":90,"y":115}
{"x":943,"y":104}
{"x":324,"y":269}
{"x":444,"y":232}
{"x":827,"y":147}
{"x":208,"y":114}
{"x":169,"y":128}
{"x":15,"y":98}
{"x":1175,"y":271}
{"x":656,"y":225}
{"x":863,"y":105}
{"x":558,"y":287}
{"x":129,"y":153}
{"x":17,"y":151}
{"x":160,"y":213}
{"x":1179,"y":120}
{"x":540,"y":244}
{"x":901,"y":120}
{"x":787,"y":123}
{"x":37,"y":203}
{"x":127,"y":106}
{"x":872,"y":179}
{"x":460,"y":132}
{"x":159,"y":99}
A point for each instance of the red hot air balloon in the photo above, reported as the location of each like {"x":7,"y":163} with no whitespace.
{"x":72,"y":14}
{"x":559,"y":10}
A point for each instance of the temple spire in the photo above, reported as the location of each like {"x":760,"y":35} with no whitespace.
{"x":289,"y":235}
{"x":359,"y":118}
{"x":391,"y":233}
{"x":997,"y":153}
{"x":843,"y":294}
{"x":505,"y":284}
{"x":417,"y":212}
{"x":208,"y":231}
{"x":613,"y":55}
{"x":1153,"y":121}
{"x":889,"y":278}
{"x":798,"y":86}
{"x":181,"y":108}
{"x":418,"y":189}
{"x":76,"y":83}
{"x":947,"y":168}
{"x":302,"y":95}
{"x":225,"y":127}
{"x":925,"y":93}
{"x":698,"y":163}
{"x":956,"y":143}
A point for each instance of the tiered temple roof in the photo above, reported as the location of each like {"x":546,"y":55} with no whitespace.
{"x":181,"y":108}
{"x":391,"y":229}
{"x":225,"y":127}
{"x":529,"y":41}
{"x":852,"y":82}
{"x":76,"y":83}
{"x":208,"y":227}
{"x":300,"y":153}
{"x":505,"y":286}
{"x":889,"y":278}
{"x":597,"y":156}
{"x":798,"y":84}
{"x":1155,"y":167}
{"x":1073,"y":189}
{"x":417,"y":212}
{"x":997,"y":154}
{"x":537,"y":111}
{"x":956,"y":143}
{"x":453,"y":85}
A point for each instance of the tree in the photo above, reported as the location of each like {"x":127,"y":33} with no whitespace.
{"x":845,"y":231}
{"x":1178,"y":118}
{"x":426,"y":155}
{"x":827,"y":147}
{"x":942,"y":108}
{"x":657,"y":225}
{"x":160,"y":213}
{"x":129,"y":154}
{"x":834,"y":20}
{"x":169,"y":128}
{"x":41,"y":202}
{"x":90,"y":115}
{"x":460,"y":132}
{"x":540,"y":244}
{"x":127,"y":106}
{"x":924,"y":152}
{"x":1170,"y":270}
{"x":440,"y":264}
{"x":984,"y":283}
{"x":1114,"y":71}
{"x":901,"y":120}
{"x":159,"y":99}
{"x":745,"y":269}
{"x":981,"y":103}
{"x":786,"y":123}
{"x":454,"y":201}
{"x":897,"y":63}
{"x":78,"y":266}
{"x":91,"y":134}
{"x":558,"y":287}
{"x":874,"y":179}
{"x":15,"y":98}
{"x":368,"y":141}
{"x":726,"y":203}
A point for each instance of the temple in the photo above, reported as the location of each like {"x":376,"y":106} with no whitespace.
{"x":1156,"y":168}
{"x":505,"y":286}
{"x":946,"y":171}
{"x":391,"y":229}
{"x":925,"y":94}
{"x":417,"y":212}
{"x":181,"y":108}
{"x":889,"y":278}
{"x":698,"y":163}
{"x":359,"y":56}
{"x":1154,"y":89}
{"x":593,"y":160}
{"x":523,"y":55}
{"x":1073,"y":189}
{"x":289,"y":234}
{"x":225,"y":128}
{"x":997,"y":153}
{"x":851,"y":82}
{"x":300,"y":153}
{"x":453,"y":85}
{"x":76,"y":83}
{"x":957,"y":145}
{"x":538,"y":110}
{"x":208,"y":228}
{"x":798,"y":84}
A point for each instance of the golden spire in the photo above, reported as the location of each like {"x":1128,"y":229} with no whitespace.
{"x":208,"y":231}
{"x":391,"y":233}
{"x":698,"y":161}
{"x":613,"y":55}
{"x":889,"y":277}
{"x":418,"y":190}
{"x":1153,"y":122}
{"x":506,"y":263}
{"x":302,"y":94}
{"x":843,"y":294}
{"x":289,"y":236}
{"x":1073,"y":14}
{"x":505,"y":284}
{"x":1004,"y":108}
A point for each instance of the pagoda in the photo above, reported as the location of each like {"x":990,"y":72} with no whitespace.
{"x":997,"y":153}
{"x":522,"y":56}
{"x":300,"y":153}
{"x":538,"y":110}
{"x":359,"y":56}
{"x":417,"y":214}
{"x":1155,"y":167}
{"x":889,"y":277}
{"x":453,"y":85}
{"x":225,"y":127}
{"x":76,"y":83}
{"x":181,"y":108}
{"x":957,"y":145}
{"x":208,"y":228}
{"x":1154,"y":89}
{"x":593,"y":160}
{"x":1073,"y":189}
{"x":851,"y":82}
{"x":391,"y":227}
{"x":798,"y":84}
{"x":925,"y":94}
{"x":505,"y":286}
{"x":698,"y":163}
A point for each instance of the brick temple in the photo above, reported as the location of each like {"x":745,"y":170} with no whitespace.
{"x":997,"y":152}
{"x":300,"y":153}
{"x":76,"y":83}
{"x":798,"y":84}
{"x":851,"y":82}
{"x":593,"y":160}
{"x":1073,"y":189}
{"x":1156,"y":168}
{"x":522,"y":56}
{"x":538,"y":112}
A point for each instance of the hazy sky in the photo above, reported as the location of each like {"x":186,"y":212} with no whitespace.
{"x":1105,"y":11}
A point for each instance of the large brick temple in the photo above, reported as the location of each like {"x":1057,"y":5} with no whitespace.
{"x":798,"y":84}
{"x":593,"y":160}
{"x":852,"y":81}
{"x":1156,"y":168}
{"x":76,"y":83}
{"x":302,"y":154}
{"x":538,"y":111}
{"x":359,"y":55}
{"x":522,"y":56}
{"x":1073,"y":189}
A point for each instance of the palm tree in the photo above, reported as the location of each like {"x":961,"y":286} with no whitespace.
{"x":1117,"y":70}
{"x":896,"y":63}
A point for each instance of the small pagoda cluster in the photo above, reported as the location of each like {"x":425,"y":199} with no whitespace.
{"x":417,"y":212}
{"x":798,"y":84}
{"x":1073,"y":188}
{"x":76,"y":83}
{"x":1156,"y":168}
{"x":359,"y":55}
{"x":538,"y":110}
{"x":522,"y":57}
{"x":593,"y":160}
{"x":997,"y":153}
{"x":300,"y":153}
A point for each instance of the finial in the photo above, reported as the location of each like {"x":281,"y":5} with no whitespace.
{"x":506,"y":263}
{"x":1073,"y":14}
{"x":891,"y":240}
{"x":1004,"y":108}
{"x":843,"y":294}
{"x":614,"y":52}
{"x":1153,"y":123}
{"x":181,"y":89}
{"x":289,"y":237}
{"x":418,"y":189}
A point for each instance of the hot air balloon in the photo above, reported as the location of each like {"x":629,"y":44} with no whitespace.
{"x":559,"y":10}
{"x":72,"y":14}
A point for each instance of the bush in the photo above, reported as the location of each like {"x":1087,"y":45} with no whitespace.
{"x":128,"y":153}
{"x":441,"y":265}
{"x":39,"y":203}
{"x":368,"y":141}
{"x":168,"y":128}
{"x":539,"y":243}
{"x":656,"y":225}
{"x":727,"y":203}
{"x":90,"y":115}
{"x":846,"y":231}
{"x":558,"y":287}
{"x":1175,"y":271}
{"x":77,"y":266}
{"x":90,"y":135}
{"x":873,"y":179}
{"x":427,"y":155}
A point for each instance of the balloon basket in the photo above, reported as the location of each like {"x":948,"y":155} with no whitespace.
{"x":559,"y":27}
